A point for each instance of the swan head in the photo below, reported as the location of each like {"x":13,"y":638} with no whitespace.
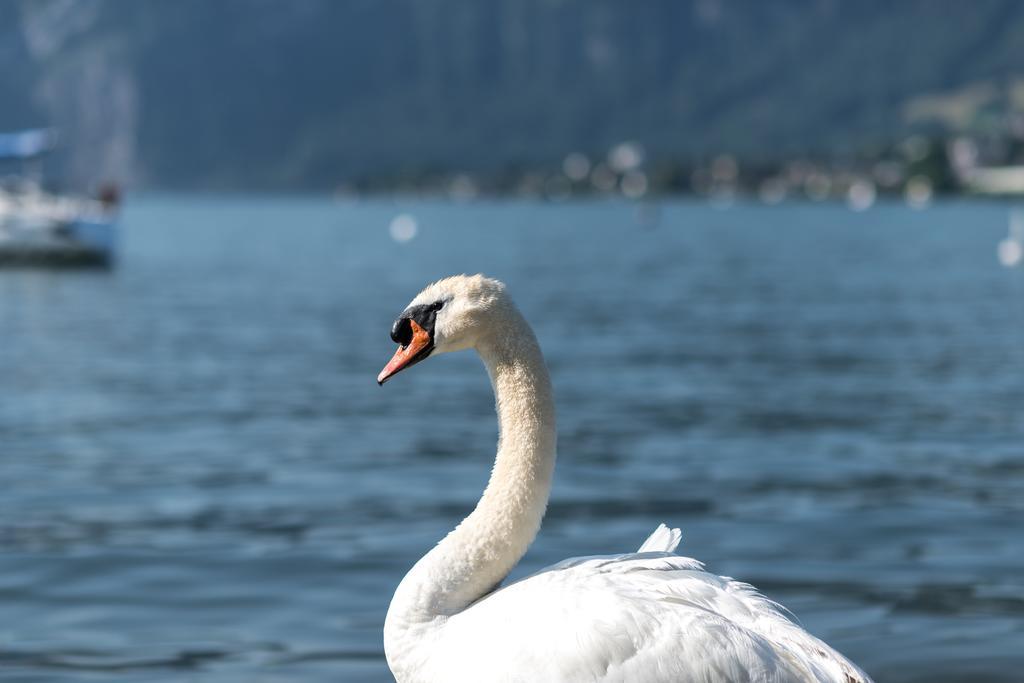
{"x":449,"y":315}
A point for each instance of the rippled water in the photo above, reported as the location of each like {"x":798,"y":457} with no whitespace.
{"x":202,"y":480}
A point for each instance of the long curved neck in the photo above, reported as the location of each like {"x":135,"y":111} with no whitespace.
{"x":481,"y":551}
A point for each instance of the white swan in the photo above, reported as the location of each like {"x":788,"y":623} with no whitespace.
{"x":643,"y":617}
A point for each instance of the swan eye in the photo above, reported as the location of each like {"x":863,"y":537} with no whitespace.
{"x":437,"y":306}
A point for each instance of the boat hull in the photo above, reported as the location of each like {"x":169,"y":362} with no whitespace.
{"x":81,"y":243}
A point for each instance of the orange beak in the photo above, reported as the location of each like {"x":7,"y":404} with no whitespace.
{"x":415,"y":351}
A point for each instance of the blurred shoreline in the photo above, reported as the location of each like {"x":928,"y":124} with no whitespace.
{"x":916,"y":171}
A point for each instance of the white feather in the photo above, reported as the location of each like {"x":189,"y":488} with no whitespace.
{"x":663,"y":540}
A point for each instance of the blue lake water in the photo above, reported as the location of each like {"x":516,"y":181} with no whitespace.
{"x":203,"y":482}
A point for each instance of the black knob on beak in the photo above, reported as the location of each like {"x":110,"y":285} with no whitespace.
{"x":401,"y":331}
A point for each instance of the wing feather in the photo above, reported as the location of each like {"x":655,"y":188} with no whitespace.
{"x":650,"y":616}
{"x":663,"y":540}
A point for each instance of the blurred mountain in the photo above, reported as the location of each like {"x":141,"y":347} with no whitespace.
{"x":313,"y":93}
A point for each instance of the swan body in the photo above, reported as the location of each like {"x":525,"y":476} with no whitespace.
{"x":646,"y":617}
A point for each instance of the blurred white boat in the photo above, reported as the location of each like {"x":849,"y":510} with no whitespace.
{"x":46,"y":229}
{"x":997,"y":180}
{"x":1011,"y":249}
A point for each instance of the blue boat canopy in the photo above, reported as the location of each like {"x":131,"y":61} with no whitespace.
{"x":26,"y":144}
